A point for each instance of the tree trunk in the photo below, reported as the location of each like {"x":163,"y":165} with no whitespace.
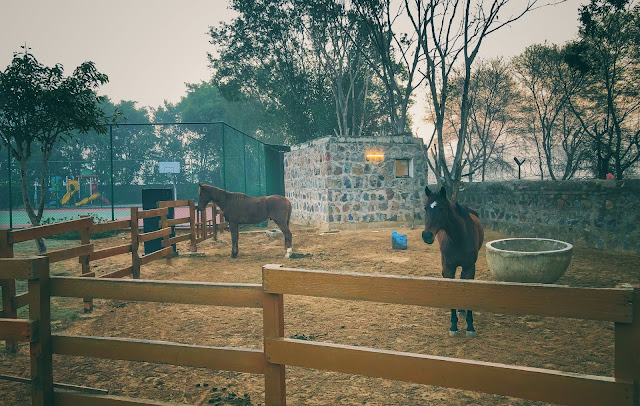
{"x":35,"y":219}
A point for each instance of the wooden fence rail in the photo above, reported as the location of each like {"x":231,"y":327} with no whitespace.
{"x":617,"y":305}
{"x":620,"y":305}
{"x":86,"y":254}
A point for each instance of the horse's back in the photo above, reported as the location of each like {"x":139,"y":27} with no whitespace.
{"x":278,"y":205}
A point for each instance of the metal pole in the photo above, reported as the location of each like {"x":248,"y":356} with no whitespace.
{"x":113,"y":211}
{"x":224,"y":166}
{"x":9,"y":178}
{"x":244,"y":160}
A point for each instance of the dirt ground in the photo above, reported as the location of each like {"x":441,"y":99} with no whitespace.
{"x":567,"y":345}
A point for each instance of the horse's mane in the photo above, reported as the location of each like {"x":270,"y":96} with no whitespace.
{"x":464,"y":211}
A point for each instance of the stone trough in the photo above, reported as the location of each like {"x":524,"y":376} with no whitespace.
{"x":528,"y":260}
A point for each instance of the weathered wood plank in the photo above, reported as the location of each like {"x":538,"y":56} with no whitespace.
{"x":152,"y":235}
{"x":488,"y":377}
{"x":198,"y":356}
{"x":173,"y":203}
{"x":110,"y":226}
{"x":121,"y":273}
{"x":627,"y":349}
{"x":18,"y":330}
{"x":68,"y":253}
{"x":161,"y":253}
{"x":181,"y":220}
{"x":17,"y":268}
{"x":20,"y":300}
{"x":64,"y":398}
{"x":66,"y":386}
{"x":40,"y":347}
{"x":275,"y":390}
{"x":180,"y":238}
{"x":32,"y":233}
{"x":110,"y":252}
{"x":484,"y":296}
{"x":144,"y":214}
{"x":197,"y":293}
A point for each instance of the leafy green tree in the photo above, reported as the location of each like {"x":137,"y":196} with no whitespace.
{"x":39,"y":107}
{"x":607,"y":52}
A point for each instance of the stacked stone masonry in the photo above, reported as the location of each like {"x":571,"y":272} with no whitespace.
{"x":596,"y":213}
{"x":331,"y":183}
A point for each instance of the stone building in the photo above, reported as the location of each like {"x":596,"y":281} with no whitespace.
{"x":347,"y":182}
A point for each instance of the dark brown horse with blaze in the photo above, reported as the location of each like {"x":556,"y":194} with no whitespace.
{"x":239,"y":209}
{"x":460,"y":236}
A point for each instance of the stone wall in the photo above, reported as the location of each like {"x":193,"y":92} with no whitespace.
{"x":331,"y":183}
{"x":596,"y":213}
{"x":305,"y":181}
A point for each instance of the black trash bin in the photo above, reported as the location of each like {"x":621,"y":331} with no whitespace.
{"x":150,"y":199}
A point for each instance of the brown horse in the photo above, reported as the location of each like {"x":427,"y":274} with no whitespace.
{"x":239,"y":208}
{"x":460,"y":236}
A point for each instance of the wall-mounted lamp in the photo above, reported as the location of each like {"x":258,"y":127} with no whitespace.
{"x":374,"y":155}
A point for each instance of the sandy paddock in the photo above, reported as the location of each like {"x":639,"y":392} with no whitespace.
{"x":567,"y":345}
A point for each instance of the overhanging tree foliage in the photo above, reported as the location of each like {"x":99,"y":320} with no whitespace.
{"x":608,"y":54}
{"x":39,"y":107}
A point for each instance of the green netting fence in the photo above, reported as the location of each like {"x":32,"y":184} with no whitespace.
{"x":103,"y":174}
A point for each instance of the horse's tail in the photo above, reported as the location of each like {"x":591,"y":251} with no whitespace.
{"x":288,"y":212}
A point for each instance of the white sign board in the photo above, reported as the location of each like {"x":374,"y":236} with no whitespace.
{"x":169,"y":167}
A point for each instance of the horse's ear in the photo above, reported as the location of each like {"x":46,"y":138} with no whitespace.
{"x":427,"y":191}
{"x":443,"y":192}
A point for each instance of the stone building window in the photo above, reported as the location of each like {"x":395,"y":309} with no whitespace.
{"x":404,"y":168}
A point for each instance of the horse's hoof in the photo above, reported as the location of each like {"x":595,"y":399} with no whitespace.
{"x":288,"y":253}
{"x":453,"y":333}
{"x":471,"y":334}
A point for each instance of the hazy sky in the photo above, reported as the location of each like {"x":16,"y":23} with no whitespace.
{"x":151,"y":48}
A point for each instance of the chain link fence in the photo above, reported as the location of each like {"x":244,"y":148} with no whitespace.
{"x":103,"y":174}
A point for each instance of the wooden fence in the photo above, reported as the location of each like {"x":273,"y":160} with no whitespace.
{"x":86,"y":253}
{"x":619,"y":306}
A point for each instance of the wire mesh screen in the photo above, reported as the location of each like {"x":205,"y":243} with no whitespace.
{"x":103,"y":174}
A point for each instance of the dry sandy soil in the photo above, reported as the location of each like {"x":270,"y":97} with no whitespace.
{"x":567,"y":345}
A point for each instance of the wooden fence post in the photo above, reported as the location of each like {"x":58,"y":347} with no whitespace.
{"x":203,"y":218}
{"x":85,"y":238}
{"x":192,"y":226}
{"x":41,"y":350}
{"x":135,"y":258}
{"x":275,"y":392}
{"x":214,"y":215}
{"x":166,"y":242}
{"x":627,"y":350}
{"x":8,"y":287}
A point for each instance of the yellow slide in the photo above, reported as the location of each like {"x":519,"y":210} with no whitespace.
{"x":70,"y":191}
{"x":88,"y":199}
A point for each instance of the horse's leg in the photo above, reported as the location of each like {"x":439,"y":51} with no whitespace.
{"x":469,"y":273}
{"x":284,"y":227}
{"x":449,"y":271}
{"x":233,"y":228}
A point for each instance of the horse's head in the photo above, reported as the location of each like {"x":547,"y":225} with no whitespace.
{"x":203,"y":197}
{"x":436,"y":214}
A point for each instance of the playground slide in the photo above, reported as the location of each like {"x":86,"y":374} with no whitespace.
{"x":88,"y":199}
{"x":70,"y":191}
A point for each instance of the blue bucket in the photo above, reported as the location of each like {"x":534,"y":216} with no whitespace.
{"x":398,"y":241}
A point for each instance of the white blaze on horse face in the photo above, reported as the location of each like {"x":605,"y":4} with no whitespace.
{"x":288,"y":254}
{"x":433,"y":205}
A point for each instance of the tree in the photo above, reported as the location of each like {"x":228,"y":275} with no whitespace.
{"x":607,"y":52}
{"x":265,"y":54}
{"x":393,"y":56}
{"x":548,"y":84}
{"x":451,"y":33}
{"x":492,"y":97}
{"x":39,"y":106}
